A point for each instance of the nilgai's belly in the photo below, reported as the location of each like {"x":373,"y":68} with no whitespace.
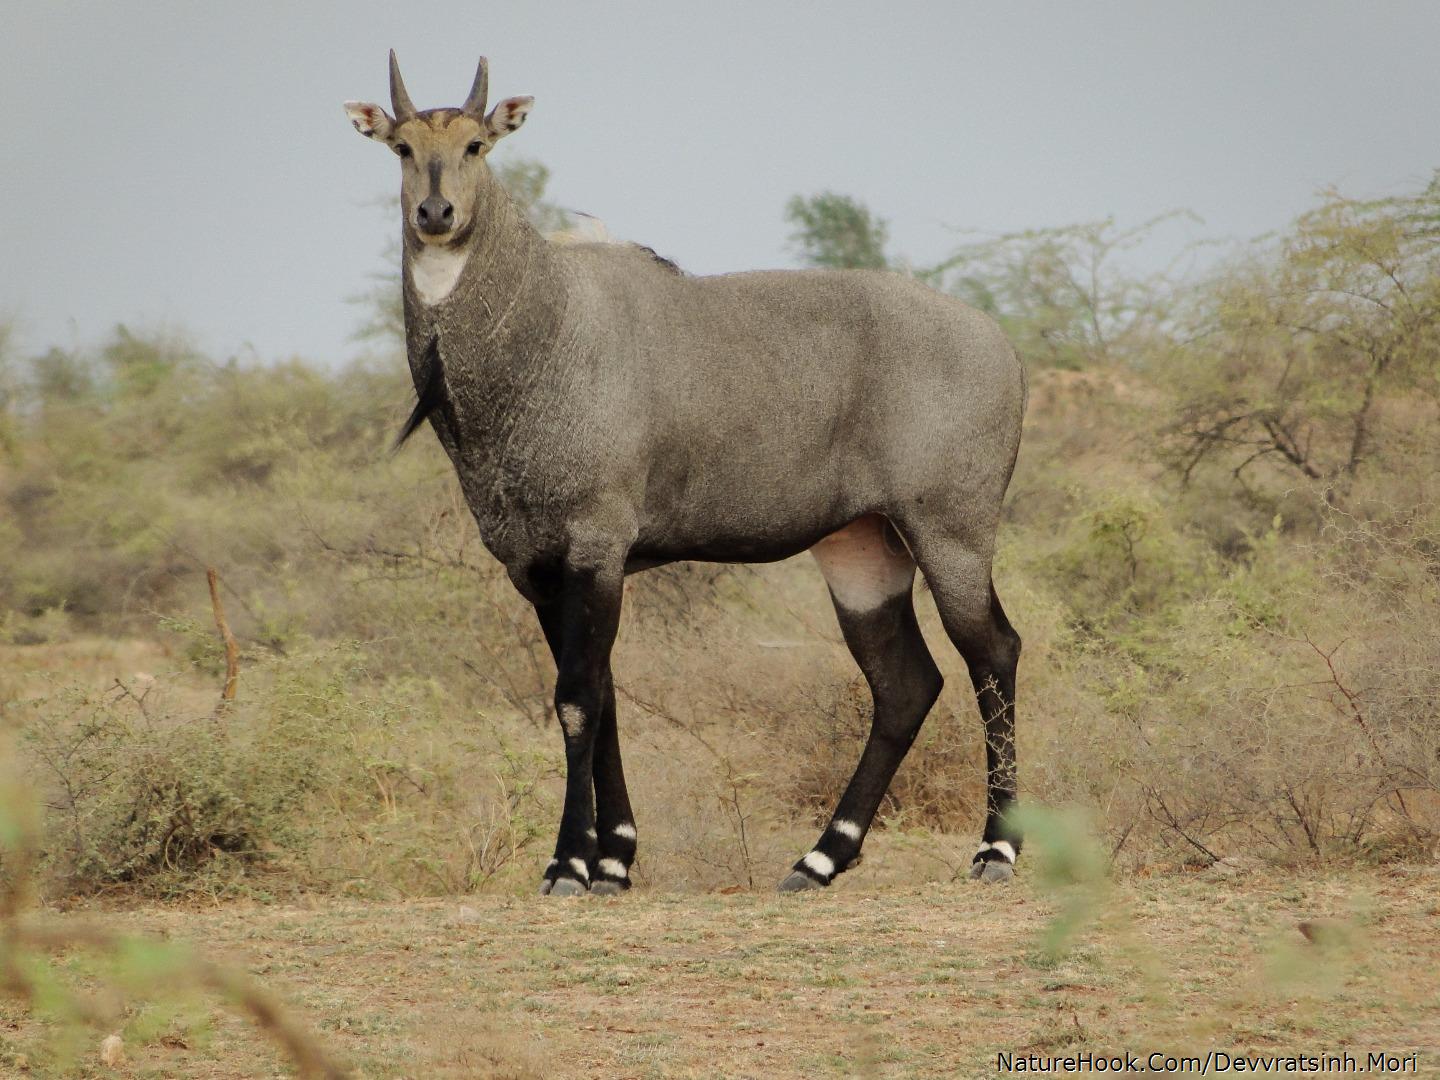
{"x":730,"y":510}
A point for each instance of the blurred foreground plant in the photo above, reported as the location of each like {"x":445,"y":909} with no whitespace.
{"x":1070,"y":865}
{"x":154,"y":987}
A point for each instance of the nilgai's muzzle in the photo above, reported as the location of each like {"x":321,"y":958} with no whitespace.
{"x":435,"y":216}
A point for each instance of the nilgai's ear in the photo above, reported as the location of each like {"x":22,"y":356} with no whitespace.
{"x":369,"y":119}
{"x":508,"y":116}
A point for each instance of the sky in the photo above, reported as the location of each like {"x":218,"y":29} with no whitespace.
{"x":188,"y":165}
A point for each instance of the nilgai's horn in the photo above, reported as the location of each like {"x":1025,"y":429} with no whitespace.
{"x":475,"y":103}
{"x":399,"y":99}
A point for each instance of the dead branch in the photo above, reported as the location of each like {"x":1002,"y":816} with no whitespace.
{"x":232,"y":649}
{"x":1162,"y":813}
{"x":1354,"y":707}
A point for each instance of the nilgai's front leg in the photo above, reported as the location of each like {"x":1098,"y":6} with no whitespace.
{"x":614,"y":821}
{"x":580,"y":615}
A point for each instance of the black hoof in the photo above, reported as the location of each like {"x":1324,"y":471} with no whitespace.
{"x":992,"y":871}
{"x":796,"y":881}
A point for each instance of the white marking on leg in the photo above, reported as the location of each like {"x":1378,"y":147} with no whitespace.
{"x":581,"y":870}
{"x":1004,"y":848}
{"x":590,"y":832}
{"x":861,"y":568}
{"x":846,"y":828}
{"x":435,"y":273}
{"x":614,"y":867}
{"x":572,"y":719}
{"x":625,"y":829}
{"x":821,"y":863}
{"x":552,"y":864}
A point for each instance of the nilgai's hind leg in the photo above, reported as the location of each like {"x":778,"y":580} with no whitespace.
{"x":614,"y":822}
{"x":959,"y":578}
{"x":870,"y":575}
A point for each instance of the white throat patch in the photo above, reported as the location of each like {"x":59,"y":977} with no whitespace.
{"x":435,"y":272}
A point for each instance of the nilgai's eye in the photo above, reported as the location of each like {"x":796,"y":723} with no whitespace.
{"x":474,"y":148}
{"x":403,"y":149}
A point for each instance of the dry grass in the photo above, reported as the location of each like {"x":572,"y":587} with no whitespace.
{"x":909,"y":982}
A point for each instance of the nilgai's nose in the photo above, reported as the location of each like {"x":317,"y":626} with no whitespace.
{"x":435,"y":216}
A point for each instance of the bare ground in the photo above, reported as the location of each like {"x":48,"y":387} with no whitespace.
{"x":927,"y":981}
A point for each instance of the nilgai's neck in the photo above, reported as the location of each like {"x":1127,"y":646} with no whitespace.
{"x":496,"y":303}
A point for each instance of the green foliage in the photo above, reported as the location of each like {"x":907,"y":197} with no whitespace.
{"x":112,"y":492}
{"x":1303,"y":350}
{"x":836,"y":232}
{"x":526,"y":180}
{"x":1063,"y":295}
{"x":1071,"y":867}
{"x":1122,"y":558}
{"x":139,"y":366}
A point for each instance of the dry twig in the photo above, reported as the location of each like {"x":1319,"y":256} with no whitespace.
{"x":232,"y":649}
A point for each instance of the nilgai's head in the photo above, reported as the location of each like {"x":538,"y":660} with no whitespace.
{"x":442,"y":153}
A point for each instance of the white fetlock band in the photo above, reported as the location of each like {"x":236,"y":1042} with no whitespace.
{"x":821,"y":863}
{"x":846,"y":828}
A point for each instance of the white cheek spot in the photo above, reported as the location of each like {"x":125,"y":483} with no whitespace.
{"x":625,"y":829}
{"x":434,"y":273}
{"x":821,"y":863}
{"x":1005,"y":848}
{"x":581,"y":870}
{"x":846,"y":828}
{"x":614,"y":867}
{"x":572,"y":720}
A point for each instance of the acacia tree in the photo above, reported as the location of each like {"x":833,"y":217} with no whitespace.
{"x":1062,"y":294}
{"x":837,"y":232}
{"x":1298,"y":350}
